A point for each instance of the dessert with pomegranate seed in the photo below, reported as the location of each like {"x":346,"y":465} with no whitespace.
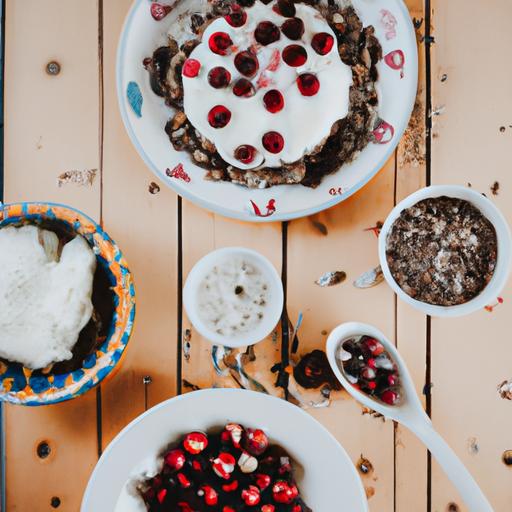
{"x":269,"y":93}
{"x":442,"y":251}
{"x":234,"y":470}
{"x":369,"y":368}
{"x":56,"y":302}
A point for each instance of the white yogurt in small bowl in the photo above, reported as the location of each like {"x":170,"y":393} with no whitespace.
{"x":233,"y":297}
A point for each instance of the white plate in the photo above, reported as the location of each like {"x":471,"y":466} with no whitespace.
{"x":145,"y":123}
{"x":330,"y":480}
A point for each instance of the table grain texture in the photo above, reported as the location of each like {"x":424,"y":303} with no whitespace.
{"x":460,"y":133}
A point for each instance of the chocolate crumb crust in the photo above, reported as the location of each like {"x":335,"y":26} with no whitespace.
{"x":358,"y":48}
{"x":442,"y":251}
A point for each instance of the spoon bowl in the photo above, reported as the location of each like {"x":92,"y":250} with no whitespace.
{"x":409,"y":406}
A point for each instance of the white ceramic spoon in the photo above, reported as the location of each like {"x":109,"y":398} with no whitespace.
{"x":408,"y":412}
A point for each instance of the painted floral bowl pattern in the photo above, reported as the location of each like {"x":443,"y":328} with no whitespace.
{"x":17,"y":384}
{"x":145,"y":115}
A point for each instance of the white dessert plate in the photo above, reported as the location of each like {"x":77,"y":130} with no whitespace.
{"x":328,"y":479}
{"x":145,"y":115}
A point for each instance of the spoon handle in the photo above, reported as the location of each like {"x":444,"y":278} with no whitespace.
{"x":453,"y":467}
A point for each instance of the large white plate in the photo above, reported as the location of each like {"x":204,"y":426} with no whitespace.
{"x":145,"y":123}
{"x":329,"y":482}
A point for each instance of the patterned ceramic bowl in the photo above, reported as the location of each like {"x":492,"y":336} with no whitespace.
{"x":20,"y":385}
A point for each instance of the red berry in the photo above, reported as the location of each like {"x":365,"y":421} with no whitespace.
{"x":191,"y":68}
{"x":246,"y":63}
{"x":251,"y":496}
{"x":293,"y":29}
{"x":244,"y":88}
{"x":274,"y":101}
{"x":159,"y":11}
{"x":210,"y":495}
{"x":219,"y":77}
{"x":322,"y":43}
{"x":175,"y":459}
{"x":295,"y":55}
{"x":219,"y":43}
{"x":245,"y":153}
{"x":285,"y":8}
{"x":161,"y":494}
{"x":273,"y":142}
{"x":195,"y":442}
{"x":308,"y":84}
{"x":219,"y":116}
{"x":237,"y":17}
{"x":256,"y":441}
{"x":284,"y":492}
{"x":262,"y":481}
{"x":224,"y":465}
{"x":389,"y":397}
{"x":266,"y":33}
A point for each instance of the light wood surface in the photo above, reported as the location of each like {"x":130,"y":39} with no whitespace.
{"x":71,"y":121}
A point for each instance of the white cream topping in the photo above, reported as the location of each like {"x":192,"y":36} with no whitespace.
{"x":303,"y":122}
{"x":44,"y":302}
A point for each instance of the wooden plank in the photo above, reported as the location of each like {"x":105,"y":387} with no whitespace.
{"x":471,"y":355}
{"x":347,"y":247}
{"x":202,"y":233}
{"x":411,"y":484}
{"x":144,"y":224}
{"x":51,"y":126}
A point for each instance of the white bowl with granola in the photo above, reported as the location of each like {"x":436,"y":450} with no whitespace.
{"x":446,"y":250}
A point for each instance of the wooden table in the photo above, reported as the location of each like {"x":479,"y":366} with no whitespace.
{"x":460,"y":133}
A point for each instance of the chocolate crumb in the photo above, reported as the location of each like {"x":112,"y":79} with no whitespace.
{"x":495,"y":188}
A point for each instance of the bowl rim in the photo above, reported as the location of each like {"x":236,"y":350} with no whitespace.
{"x":122,"y":332}
{"x":503,"y":261}
{"x":190,"y":304}
{"x":210,"y":206}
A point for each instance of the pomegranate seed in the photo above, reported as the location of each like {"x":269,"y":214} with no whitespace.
{"x":245,"y":153}
{"x":284,"y":492}
{"x":219,"y":77}
{"x":219,"y":43}
{"x":285,"y":8}
{"x":191,"y":68}
{"x":371,"y":363}
{"x":224,"y":465}
{"x":308,"y":84}
{"x":392,"y":380}
{"x":237,"y":17}
{"x":175,"y":459}
{"x":246,"y":63}
{"x":293,"y":29}
{"x":219,"y":116}
{"x":295,"y":55}
{"x":233,"y":486}
{"x":210,"y":495}
{"x":183,"y":480}
{"x":256,"y":441}
{"x":244,"y":88}
{"x":251,"y":496}
{"x":389,"y":397}
{"x":159,"y":11}
{"x":195,"y":442}
{"x":274,"y":101}
{"x":262,"y":481}
{"x":273,"y":142}
{"x":161,"y":494}
{"x":234,"y":432}
{"x":266,"y":33}
{"x":228,"y":509}
{"x":322,"y":43}
{"x":268,"y":508}
{"x":374,"y":346}
{"x":372,"y":385}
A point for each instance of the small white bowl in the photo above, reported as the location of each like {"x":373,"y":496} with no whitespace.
{"x":489,"y":210}
{"x":275,"y":303}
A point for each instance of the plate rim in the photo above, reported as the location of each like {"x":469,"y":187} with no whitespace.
{"x":277,"y":216}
